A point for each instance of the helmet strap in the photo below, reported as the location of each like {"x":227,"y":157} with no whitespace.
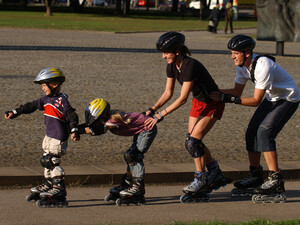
{"x":53,"y":90}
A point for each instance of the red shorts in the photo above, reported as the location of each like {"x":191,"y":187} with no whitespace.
{"x":214,"y":109}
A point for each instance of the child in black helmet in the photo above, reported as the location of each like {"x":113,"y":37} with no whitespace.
{"x":100,"y":118}
{"x":60,"y":120}
{"x":193,"y":77}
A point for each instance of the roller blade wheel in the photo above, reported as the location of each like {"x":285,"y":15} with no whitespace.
{"x":52,"y":203}
{"x":236,"y":192}
{"x":273,"y":198}
{"x":194,"y":198}
{"x":131,"y":201}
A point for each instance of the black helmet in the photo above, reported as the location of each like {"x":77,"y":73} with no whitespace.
{"x":170,"y":42}
{"x":241,"y":43}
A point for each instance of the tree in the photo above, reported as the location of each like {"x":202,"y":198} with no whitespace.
{"x":49,"y":5}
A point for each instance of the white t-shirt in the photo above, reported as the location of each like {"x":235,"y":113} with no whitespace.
{"x":277,"y":82}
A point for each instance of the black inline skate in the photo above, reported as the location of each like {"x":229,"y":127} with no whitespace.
{"x":271,"y":190}
{"x":215,"y":178}
{"x":197,"y":191}
{"x":35,"y":191}
{"x":134,"y":195}
{"x":245,"y":187}
{"x":114,"y":193}
{"x":56,"y":196}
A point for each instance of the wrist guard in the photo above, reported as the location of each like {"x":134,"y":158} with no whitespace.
{"x":229,"y":98}
{"x":16,"y":112}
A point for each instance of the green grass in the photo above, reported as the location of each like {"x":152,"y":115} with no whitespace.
{"x":136,"y":22}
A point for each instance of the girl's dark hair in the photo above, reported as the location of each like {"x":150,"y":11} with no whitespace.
{"x":184,"y":50}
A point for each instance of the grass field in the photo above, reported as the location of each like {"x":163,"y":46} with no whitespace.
{"x":140,"y":21}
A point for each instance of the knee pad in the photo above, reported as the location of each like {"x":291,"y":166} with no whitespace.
{"x":133,"y":156}
{"x":49,"y":161}
{"x":194,"y":146}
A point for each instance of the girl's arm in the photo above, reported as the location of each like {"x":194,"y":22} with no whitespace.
{"x":165,"y":97}
{"x":184,"y":94}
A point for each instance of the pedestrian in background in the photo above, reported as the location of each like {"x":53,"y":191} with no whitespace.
{"x":215,"y":17}
{"x":228,"y":17}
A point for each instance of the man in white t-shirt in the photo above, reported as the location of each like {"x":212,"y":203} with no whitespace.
{"x":274,"y":110}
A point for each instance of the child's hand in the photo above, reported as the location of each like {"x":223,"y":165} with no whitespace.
{"x":8,"y":114}
{"x":75,"y":136}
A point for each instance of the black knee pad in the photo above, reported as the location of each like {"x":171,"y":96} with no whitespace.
{"x":194,"y":146}
{"x":49,"y":161}
{"x":133,"y":156}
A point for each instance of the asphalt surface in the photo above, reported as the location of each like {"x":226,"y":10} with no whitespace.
{"x":86,"y":206}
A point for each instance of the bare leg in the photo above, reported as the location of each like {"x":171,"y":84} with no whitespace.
{"x":199,"y":131}
{"x":271,"y":160}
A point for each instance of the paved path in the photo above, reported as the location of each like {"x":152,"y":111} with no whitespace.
{"x":86,"y":206}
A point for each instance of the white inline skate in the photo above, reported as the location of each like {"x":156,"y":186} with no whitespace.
{"x":114,"y":193}
{"x":134,"y":195}
{"x":271,"y":191}
{"x":35,"y":191}
{"x":56,"y":196}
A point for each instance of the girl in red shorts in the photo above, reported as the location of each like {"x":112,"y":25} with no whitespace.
{"x":193,"y":77}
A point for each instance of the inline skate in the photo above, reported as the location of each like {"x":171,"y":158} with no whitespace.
{"x":271,"y":191}
{"x":197,"y":191}
{"x":215,"y":178}
{"x":245,"y":187}
{"x":56,"y":196}
{"x":35,"y":191}
{"x":114,"y":193}
{"x":134,"y":195}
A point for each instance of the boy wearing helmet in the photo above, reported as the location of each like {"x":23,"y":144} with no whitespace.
{"x":274,"y":110}
{"x":60,"y":120}
{"x":193,"y":77}
{"x":100,"y":118}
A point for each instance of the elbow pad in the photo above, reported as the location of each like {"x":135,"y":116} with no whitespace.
{"x":72,"y":118}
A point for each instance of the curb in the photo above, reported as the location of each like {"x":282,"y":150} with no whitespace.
{"x":151,"y":178}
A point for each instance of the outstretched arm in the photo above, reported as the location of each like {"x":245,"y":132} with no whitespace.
{"x":164,"y":98}
{"x":184,"y":94}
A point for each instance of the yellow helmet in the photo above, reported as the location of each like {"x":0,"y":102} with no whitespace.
{"x":96,"y":109}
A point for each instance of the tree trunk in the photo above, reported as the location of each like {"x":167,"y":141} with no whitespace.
{"x":49,"y":7}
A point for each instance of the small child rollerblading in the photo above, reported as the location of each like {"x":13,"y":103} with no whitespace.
{"x":60,"y":120}
{"x":134,"y":195}
{"x":114,"y":193}
{"x":99,"y":118}
{"x":271,"y":191}
{"x":56,"y":196}
{"x":246,"y":186}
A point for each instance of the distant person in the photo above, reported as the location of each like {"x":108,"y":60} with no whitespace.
{"x":196,"y":80}
{"x":228,"y":17}
{"x":277,"y":97}
{"x":60,"y":120}
{"x":215,"y":17}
